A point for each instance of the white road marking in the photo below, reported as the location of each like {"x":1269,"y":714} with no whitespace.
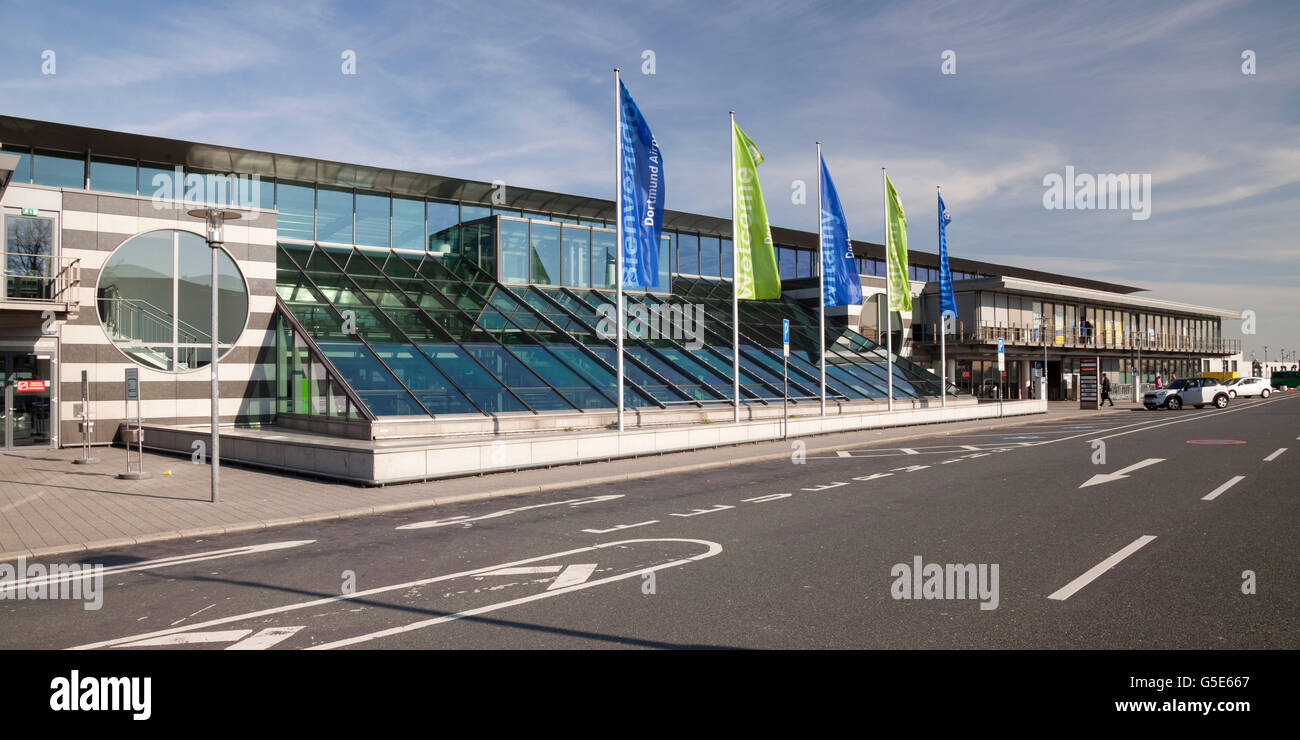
{"x":526,"y":571}
{"x":713,"y":549}
{"x":969,"y":447}
{"x":1093,"y":573}
{"x":572,"y":576}
{"x":697,"y":512}
{"x":266,"y":638}
{"x":84,"y":572}
{"x":190,"y":638}
{"x":1121,"y":473}
{"x":1234,"y":480}
{"x":1275,"y":455}
{"x":908,"y":451}
{"x":768,"y":497}
{"x":465,"y":519}
{"x":826,"y":486}
{"x":617,"y":527}
{"x":844,"y":453}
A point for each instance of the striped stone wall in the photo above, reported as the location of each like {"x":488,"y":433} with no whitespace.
{"x":92,"y":226}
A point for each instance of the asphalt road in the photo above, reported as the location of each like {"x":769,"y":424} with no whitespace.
{"x":772,"y":555}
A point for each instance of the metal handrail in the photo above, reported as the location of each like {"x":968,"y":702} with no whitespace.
{"x":61,"y":283}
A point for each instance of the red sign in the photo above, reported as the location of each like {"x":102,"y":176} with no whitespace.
{"x":31,"y":386}
{"x":965,"y":373}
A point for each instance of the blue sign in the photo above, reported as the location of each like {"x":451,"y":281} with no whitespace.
{"x":785,"y":330}
{"x":841,"y":284}
{"x":643,"y":196}
{"x":1002,"y":347}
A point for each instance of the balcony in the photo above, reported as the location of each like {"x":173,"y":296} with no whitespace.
{"x":1031,"y":336}
{"x":39,"y":282}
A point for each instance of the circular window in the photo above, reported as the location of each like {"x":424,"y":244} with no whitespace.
{"x":155,"y":300}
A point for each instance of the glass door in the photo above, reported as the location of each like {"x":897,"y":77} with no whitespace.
{"x":27,"y":390}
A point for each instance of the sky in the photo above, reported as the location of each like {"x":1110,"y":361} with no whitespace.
{"x":523,"y":92}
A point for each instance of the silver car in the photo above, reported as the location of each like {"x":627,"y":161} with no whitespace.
{"x":1196,"y":392}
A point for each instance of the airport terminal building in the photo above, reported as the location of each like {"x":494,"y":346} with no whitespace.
{"x":367,"y":304}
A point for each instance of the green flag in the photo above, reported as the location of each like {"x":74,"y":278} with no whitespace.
{"x":900,"y":294}
{"x":756,"y":273}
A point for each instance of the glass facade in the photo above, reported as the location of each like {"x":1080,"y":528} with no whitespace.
{"x":436,"y":334}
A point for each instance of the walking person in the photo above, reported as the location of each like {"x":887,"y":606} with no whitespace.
{"x":1105,"y":391}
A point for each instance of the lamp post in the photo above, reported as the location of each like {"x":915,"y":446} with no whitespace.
{"x":215,"y":218}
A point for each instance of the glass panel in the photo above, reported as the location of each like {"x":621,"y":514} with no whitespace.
{"x":156,"y":180}
{"x":28,"y":265}
{"x":112,"y":175}
{"x":265,"y":193}
{"x":470,"y":212}
{"x":577,"y":256}
{"x":296,"y":205}
{"x":24,"y":171}
{"x":372,"y":220}
{"x":727,"y":248}
{"x":499,"y":211}
{"x":59,"y":169}
{"x":408,"y":223}
{"x":443,"y":217}
{"x":665,"y":275}
{"x":545,"y":242}
{"x":688,"y":254}
{"x":710,"y":256}
{"x":514,"y":251}
{"x":604,"y":257}
{"x":333,"y":215}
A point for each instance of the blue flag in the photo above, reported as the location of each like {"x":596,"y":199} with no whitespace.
{"x":643,"y":196}
{"x":841,"y":284}
{"x":947,"y":302}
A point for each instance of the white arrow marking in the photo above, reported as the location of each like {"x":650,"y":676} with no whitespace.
{"x":617,"y":527}
{"x":261,"y":641}
{"x":463,"y":519}
{"x":1122,"y":472}
{"x":266,"y":638}
{"x":191,"y":638}
{"x":526,"y":571}
{"x":86,"y":571}
{"x":697,"y":512}
{"x":573,"y":575}
{"x":713,"y":548}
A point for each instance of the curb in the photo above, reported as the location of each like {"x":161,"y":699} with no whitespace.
{"x":480,"y":495}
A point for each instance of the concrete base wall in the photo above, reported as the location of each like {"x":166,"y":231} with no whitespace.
{"x":401,"y":461}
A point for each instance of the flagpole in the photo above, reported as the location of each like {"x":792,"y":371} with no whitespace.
{"x":821,"y":281}
{"x":889,"y":298}
{"x":943,"y":330}
{"x":735,"y":283}
{"x":618,"y":210}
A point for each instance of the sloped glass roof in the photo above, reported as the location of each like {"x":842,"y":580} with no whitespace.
{"x":415,"y":334}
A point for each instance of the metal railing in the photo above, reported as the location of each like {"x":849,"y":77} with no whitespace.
{"x":139,"y":321}
{"x":1032,"y":336}
{"x":39,"y":278}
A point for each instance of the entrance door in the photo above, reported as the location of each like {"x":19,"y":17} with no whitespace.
{"x":27,"y":389}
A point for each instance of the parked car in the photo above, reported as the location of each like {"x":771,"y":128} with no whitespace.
{"x":1188,"y":391}
{"x":1248,"y":387}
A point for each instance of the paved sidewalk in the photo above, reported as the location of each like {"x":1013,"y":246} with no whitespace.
{"x":50,"y":506}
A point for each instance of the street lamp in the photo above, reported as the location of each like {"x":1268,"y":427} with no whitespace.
{"x":214,"y":218}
